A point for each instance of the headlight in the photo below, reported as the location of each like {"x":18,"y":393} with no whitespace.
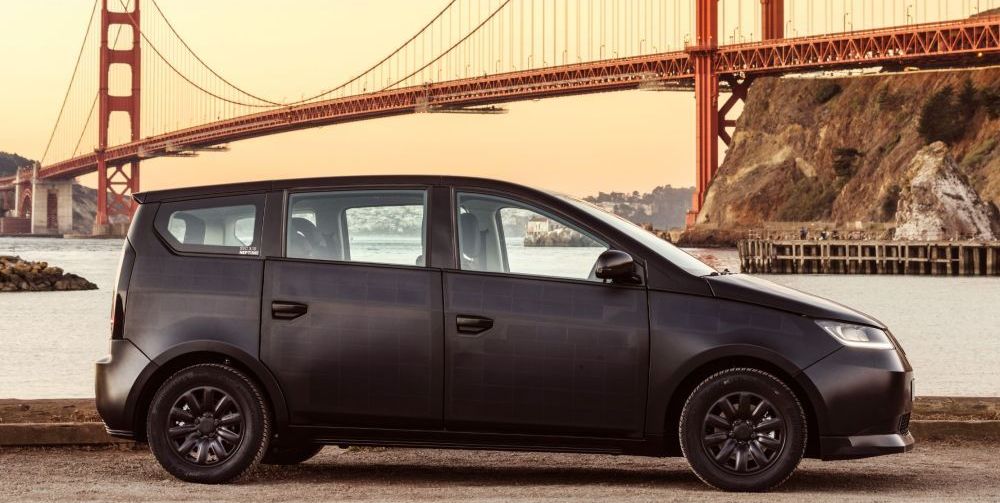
{"x":856,"y":335}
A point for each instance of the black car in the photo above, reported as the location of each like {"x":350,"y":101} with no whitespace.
{"x":258,"y":322}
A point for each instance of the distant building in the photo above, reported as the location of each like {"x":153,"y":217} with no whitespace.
{"x":538,"y":224}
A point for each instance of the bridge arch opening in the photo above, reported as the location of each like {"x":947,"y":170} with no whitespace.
{"x":26,"y":205}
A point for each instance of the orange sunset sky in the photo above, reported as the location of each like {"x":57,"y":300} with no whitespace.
{"x":624,"y":141}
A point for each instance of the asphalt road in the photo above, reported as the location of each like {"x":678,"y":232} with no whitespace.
{"x":933,"y":472}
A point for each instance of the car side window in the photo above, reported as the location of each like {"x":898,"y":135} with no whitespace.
{"x":224,"y":225}
{"x":374,"y":226}
{"x":496,"y":234}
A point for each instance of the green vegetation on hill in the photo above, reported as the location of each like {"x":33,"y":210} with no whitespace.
{"x":663,"y":208}
{"x":946,"y":116}
{"x":10,"y":162}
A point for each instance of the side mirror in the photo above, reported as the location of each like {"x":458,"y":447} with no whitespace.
{"x":616,"y":265}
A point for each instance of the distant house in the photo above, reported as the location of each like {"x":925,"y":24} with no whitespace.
{"x":538,"y":224}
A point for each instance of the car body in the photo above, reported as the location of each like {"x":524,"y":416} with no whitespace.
{"x":470,"y":340}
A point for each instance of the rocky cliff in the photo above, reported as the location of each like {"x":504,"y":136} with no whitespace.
{"x":938,"y":203}
{"x":863,"y":149}
{"x":84,"y":208}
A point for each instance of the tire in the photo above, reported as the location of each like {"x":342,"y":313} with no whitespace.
{"x":209,"y":424}
{"x":291,"y":454}
{"x":752,"y":444}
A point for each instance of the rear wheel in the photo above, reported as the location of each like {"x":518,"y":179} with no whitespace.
{"x":292,"y":454}
{"x":208,"y":423}
{"x":743,"y":430}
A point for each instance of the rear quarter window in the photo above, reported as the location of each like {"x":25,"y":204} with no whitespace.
{"x":219,"y":225}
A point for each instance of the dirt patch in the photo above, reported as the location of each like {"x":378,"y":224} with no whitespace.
{"x":933,"y":472}
{"x":957,"y":408}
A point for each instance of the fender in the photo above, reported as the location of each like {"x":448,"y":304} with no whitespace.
{"x":259,"y":371}
{"x":662,"y":393}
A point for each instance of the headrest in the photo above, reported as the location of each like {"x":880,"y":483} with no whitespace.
{"x":468,"y":234}
{"x":304,"y":227}
{"x":194,"y":229}
{"x":303,"y":238}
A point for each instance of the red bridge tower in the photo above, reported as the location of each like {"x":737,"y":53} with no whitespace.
{"x":711,"y":121}
{"x":116,"y":183}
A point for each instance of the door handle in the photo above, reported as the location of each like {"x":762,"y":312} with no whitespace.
{"x":472,"y":324}
{"x":281,"y":310}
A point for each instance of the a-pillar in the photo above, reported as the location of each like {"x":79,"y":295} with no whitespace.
{"x":706,"y":95}
{"x":52,"y":207}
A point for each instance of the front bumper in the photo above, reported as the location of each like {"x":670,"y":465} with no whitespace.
{"x":116,"y":375}
{"x":865,"y":446}
{"x":864,"y":403}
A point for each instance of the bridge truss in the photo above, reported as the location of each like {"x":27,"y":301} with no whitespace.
{"x":484,"y":52}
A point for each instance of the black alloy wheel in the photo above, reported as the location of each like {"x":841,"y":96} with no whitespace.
{"x":208,"y":423}
{"x":743,"y":433}
{"x":205,"y":425}
{"x":743,"y":429}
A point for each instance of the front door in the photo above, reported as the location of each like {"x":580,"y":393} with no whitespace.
{"x":352,"y":321}
{"x":534,"y":343}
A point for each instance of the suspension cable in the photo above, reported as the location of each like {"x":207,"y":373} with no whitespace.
{"x":180,"y":74}
{"x":76,"y":67}
{"x":206,"y":65}
{"x":456,"y":44}
{"x":321,"y":94}
{"x":93,"y":104}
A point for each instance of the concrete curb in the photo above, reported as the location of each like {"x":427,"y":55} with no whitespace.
{"x":93,"y":434}
{"x":55,"y":434}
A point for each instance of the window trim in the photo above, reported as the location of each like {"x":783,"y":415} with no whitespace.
{"x":546,"y":210}
{"x":559,"y":279}
{"x":287,"y":208}
{"x":166,"y":209}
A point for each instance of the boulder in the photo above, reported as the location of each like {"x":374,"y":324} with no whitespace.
{"x":937,"y":202}
{"x":17,"y":274}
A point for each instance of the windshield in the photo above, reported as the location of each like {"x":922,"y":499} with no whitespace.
{"x":675,"y":255}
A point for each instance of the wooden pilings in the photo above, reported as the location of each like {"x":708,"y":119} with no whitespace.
{"x":946,"y":258}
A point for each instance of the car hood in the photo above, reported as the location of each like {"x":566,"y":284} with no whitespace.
{"x":752,"y":290}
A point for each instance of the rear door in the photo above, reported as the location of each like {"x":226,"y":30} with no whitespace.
{"x":534,"y":343}
{"x":352,"y":321}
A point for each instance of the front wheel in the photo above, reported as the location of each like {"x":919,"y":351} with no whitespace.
{"x":743,"y":430}
{"x":208,"y":423}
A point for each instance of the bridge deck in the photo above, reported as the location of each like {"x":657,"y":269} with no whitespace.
{"x":967,"y":42}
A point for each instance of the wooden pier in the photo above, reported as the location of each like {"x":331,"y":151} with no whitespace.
{"x":943,"y":258}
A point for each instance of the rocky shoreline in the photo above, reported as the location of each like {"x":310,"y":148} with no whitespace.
{"x":19,"y":275}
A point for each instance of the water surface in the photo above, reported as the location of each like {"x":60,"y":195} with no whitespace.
{"x":950,"y":327}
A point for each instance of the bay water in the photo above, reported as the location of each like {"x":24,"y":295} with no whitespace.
{"x":949,"y":326}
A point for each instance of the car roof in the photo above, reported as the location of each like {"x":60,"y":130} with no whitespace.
{"x":326,"y":183}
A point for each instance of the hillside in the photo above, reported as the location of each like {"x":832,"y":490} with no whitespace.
{"x":663,"y":208}
{"x":10,"y":162}
{"x":847,"y":150}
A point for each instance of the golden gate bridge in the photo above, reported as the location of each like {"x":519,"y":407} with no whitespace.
{"x":470,"y":55}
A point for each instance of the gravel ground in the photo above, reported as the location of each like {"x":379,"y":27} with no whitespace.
{"x":933,"y":472}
